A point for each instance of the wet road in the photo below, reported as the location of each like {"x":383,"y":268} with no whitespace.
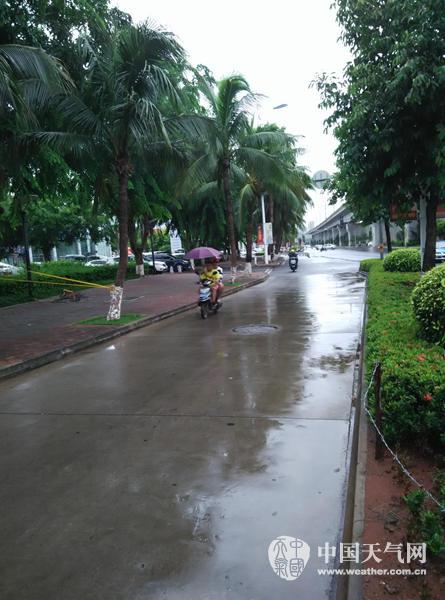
{"x":163,"y":465}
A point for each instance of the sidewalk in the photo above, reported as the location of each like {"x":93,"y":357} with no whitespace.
{"x":36,"y":333}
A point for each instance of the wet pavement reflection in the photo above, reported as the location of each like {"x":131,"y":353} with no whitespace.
{"x":163,"y":465}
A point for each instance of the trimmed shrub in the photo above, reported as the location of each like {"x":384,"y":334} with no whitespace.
{"x":429,"y":304}
{"x":404,"y":260}
{"x":413,"y":370}
{"x":365,"y":265}
{"x":14,"y":292}
{"x":76,"y":270}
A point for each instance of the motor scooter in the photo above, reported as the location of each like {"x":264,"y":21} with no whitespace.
{"x":205,"y":299}
{"x":293,"y":263}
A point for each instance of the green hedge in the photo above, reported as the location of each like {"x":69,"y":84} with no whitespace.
{"x":13,"y":292}
{"x":75,"y":270}
{"x":404,"y":260}
{"x":365,"y":265}
{"x":429,"y":304}
{"x":413,"y":370}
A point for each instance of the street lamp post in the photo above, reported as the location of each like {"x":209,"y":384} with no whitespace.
{"x":263,"y":212}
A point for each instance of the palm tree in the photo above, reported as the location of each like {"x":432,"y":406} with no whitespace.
{"x":289,"y":209}
{"x":283,"y":181}
{"x":26,"y":72}
{"x":118,"y":113}
{"x":28,"y":78}
{"x":230,"y":143}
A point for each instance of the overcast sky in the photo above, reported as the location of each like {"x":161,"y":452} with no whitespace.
{"x":279,"y":46}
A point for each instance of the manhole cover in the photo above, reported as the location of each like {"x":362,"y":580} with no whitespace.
{"x":255,"y":329}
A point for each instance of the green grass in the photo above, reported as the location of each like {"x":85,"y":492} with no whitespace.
{"x":124,"y":320}
{"x":413,"y":369}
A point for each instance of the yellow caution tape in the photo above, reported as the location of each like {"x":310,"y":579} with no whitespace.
{"x":87,"y":283}
{"x":37,"y":281}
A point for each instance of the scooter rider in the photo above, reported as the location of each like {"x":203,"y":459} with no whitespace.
{"x":213,"y":274}
{"x":293,"y":258}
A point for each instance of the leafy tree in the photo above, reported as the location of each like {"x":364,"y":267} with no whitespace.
{"x":147,"y":208}
{"x":55,"y":26}
{"x":388,"y":112}
{"x":117,"y":113}
{"x":283,"y":183}
{"x":228,"y":145}
{"x":441,"y":230}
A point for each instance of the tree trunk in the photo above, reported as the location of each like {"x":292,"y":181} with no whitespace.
{"x":230,"y":220}
{"x":278,"y":241}
{"x":122,"y":168}
{"x":429,"y":257}
{"x":137,"y":250}
{"x":388,"y":235}
{"x":249,"y":237}
{"x":139,"y":262}
{"x":47,"y":253}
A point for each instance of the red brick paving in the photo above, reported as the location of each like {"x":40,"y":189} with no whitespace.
{"x":32,"y":329}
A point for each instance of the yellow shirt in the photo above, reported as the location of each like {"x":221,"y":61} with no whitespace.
{"x":212,"y":275}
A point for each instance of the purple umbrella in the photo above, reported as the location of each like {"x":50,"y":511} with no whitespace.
{"x":203,"y":252}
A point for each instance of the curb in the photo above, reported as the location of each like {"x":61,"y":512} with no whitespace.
{"x":350,"y":588}
{"x":59,"y":353}
{"x":355,"y":584}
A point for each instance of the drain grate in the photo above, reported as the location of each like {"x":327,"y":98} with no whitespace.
{"x":255,"y":329}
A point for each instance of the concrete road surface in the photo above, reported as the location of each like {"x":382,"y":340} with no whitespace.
{"x":162,"y":466}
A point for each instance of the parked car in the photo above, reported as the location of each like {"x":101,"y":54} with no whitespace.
{"x":99,"y":257}
{"x":170,"y":260}
{"x":131,"y":258}
{"x":160,"y":266}
{"x":74,"y":257}
{"x":179,"y":253}
{"x":7,"y":269}
{"x":440,"y":251}
{"x":98,"y":262}
{"x":330,"y":246}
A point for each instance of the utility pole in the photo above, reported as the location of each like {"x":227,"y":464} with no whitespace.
{"x":263,"y":212}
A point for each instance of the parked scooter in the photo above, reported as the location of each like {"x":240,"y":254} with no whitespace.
{"x":205,"y":299}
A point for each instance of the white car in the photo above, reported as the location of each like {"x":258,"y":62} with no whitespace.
{"x":7,"y":269}
{"x":440,"y":251}
{"x":99,"y":262}
{"x":160,"y":267}
{"x":179,"y":253}
{"x":331,"y":246}
{"x":74,"y":257}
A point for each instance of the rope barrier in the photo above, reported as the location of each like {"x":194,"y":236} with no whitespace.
{"x":47,"y":282}
{"x":394,"y":454}
{"x":90,"y":284}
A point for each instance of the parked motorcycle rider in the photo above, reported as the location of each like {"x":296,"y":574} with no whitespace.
{"x":213,"y":273}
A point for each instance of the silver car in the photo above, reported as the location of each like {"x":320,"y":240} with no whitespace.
{"x":440,"y":251}
{"x":7,"y":269}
